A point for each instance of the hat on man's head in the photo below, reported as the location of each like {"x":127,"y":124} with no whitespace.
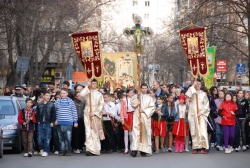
{"x":17,"y":87}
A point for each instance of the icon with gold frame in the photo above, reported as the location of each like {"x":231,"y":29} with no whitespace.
{"x":87,"y":49}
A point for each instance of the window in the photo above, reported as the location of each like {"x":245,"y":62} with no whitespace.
{"x":135,"y":3}
{"x":147,"y":3}
{"x":22,"y":103}
{"x":146,"y":16}
{"x":6,"y":107}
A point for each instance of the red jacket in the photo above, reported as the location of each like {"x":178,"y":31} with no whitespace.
{"x":225,"y":112}
{"x":21,"y":119}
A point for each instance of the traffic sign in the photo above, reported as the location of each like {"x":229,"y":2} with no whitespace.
{"x":221,"y":66}
{"x":22,"y":63}
{"x":240,"y":68}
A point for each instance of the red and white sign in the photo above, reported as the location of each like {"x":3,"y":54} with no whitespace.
{"x":221,"y":66}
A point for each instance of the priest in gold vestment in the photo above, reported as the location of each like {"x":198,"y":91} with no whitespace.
{"x":147,"y":110}
{"x":93,"y":119}
{"x":198,"y":119}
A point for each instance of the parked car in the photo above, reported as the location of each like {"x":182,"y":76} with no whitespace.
{"x":22,"y":101}
{"x":10,"y":107}
{"x":1,"y":137}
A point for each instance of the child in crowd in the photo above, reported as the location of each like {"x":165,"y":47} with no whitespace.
{"x":126,"y":115}
{"x":170,"y":121}
{"x":46,"y":117}
{"x":66,"y":117}
{"x":35,"y":135}
{"x":180,"y":128}
{"x":27,"y":119}
{"x":108,"y":114}
{"x":159,"y":124}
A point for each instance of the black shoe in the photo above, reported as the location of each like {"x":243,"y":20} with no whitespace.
{"x":109,"y":152}
{"x":143,"y":154}
{"x":88,"y":153}
{"x":30,"y":154}
{"x":61,"y":154}
{"x":68,"y":153}
{"x":134,"y":153}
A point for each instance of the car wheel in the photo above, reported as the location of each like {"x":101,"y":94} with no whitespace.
{"x":18,"y":149}
{"x":1,"y":148}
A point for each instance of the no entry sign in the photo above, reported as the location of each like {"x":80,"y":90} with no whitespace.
{"x":221,"y":66}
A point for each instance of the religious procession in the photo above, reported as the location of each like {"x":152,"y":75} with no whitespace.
{"x":152,"y":93}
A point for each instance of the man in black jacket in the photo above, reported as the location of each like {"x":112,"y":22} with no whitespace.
{"x":46,"y":116}
{"x":159,"y":91}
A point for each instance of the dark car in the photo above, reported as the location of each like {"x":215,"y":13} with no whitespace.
{"x":1,"y":137}
{"x":10,"y":107}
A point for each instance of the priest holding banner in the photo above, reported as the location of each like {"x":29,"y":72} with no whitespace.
{"x":93,"y":118}
{"x":193,"y":41}
{"x":197,"y":117}
{"x":87,"y":48}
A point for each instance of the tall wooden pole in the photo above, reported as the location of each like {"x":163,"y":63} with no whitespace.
{"x":139,"y":95}
{"x":90,"y":96}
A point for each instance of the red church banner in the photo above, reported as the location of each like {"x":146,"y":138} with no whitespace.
{"x":194,"y":44}
{"x":87,"y":48}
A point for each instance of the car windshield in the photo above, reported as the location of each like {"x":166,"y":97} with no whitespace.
{"x":22,"y":102}
{"x":6,"y":107}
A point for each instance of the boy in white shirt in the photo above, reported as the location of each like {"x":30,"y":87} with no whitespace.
{"x":108,"y":114}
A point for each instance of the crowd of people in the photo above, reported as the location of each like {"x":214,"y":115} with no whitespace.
{"x":145,"y":121}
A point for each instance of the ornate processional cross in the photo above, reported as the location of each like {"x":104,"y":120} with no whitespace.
{"x":138,"y":32}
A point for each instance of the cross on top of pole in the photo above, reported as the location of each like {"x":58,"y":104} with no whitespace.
{"x":138,"y":32}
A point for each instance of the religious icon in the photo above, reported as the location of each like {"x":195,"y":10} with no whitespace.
{"x":106,"y":82}
{"x":87,"y":49}
{"x":192,"y":45}
{"x":119,"y":70}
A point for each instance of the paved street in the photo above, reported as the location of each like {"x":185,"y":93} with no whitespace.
{"x":212,"y":160}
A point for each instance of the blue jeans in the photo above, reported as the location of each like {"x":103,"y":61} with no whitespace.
{"x":219,"y":134}
{"x":65,"y":135}
{"x":44,"y":135}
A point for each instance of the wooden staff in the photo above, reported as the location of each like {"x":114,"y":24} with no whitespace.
{"x":139,"y":95}
{"x":90,"y":97}
{"x":197,"y":106}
